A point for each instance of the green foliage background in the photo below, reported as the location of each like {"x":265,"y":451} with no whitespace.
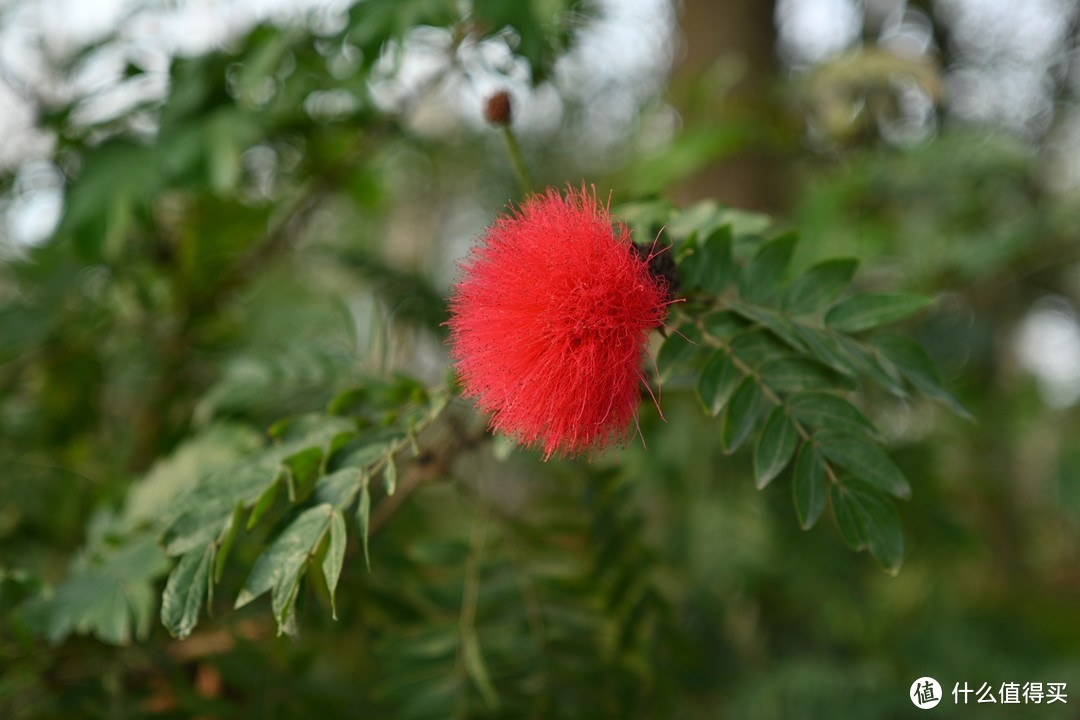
{"x":238,"y":481}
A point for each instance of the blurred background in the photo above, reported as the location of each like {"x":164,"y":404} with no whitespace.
{"x":217,"y":213}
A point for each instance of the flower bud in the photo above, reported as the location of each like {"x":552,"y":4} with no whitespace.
{"x":497,"y":110}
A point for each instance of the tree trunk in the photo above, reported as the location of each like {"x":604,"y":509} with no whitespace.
{"x":742,"y":33}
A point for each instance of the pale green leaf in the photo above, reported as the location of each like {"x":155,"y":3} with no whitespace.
{"x":369,"y":448}
{"x":390,"y":475}
{"x":363,"y":519}
{"x":201,"y":513}
{"x":326,"y":432}
{"x":186,"y":591}
{"x":335,"y":557}
{"x":220,"y":444}
{"x":280,"y":568}
{"x":339,"y":488}
{"x":109,"y":595}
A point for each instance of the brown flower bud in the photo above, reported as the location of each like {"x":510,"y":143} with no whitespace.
{"x":497,"y":110}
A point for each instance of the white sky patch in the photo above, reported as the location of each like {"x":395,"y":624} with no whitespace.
{"x":1005,"y":50}
{"x":812,"y":30}
{"x":1047,"y":345}
{"x":36,"y":202}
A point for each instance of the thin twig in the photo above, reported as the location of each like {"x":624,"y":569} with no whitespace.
{"x":517,"y":158}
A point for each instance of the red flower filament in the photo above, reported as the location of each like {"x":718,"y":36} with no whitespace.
{"x":550,"y":322}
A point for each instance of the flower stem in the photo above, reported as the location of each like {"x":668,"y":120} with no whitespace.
{"x":518,"y":160}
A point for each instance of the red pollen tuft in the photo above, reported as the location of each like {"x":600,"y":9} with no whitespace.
{"x":550,"y":322}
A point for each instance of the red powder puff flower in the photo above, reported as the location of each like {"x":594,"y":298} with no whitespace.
{"x":550,"y":322}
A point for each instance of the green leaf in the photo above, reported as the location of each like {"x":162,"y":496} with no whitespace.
{"x":864,"y":460}
{"x":829,"y":412}
{"x":370,"y":449}
{"x":109,"y":595}
{"x":917,"y":366}
{"x":264,"y":503}
{"x":363,"y":519}
{"x":326,"y":432}
{"x":390,"y":475}
{"x":824,"y":346}
{"x":741,"y":415}
{"x":756,"y":345}
{"x":819,"y":286}
{"x":808,"y":485}
{"x":304,"y":468}
{"x":866,"y":361}
{"x":151,"y":498}
{"x":339,"y":488}
{"x":715,"y":267}
{"x":477,"y":669}
{"x":699,"y":218}
{"x":280,"y":568}
{"x":201,"y":513}
{"x":186,"y":591}
{"x":863,"y":312}
{"x":711,"y":267}
{"x":798,"y":374}
{"x":775,"y":446}
{"x":868,"y":519}
{"x":225,"y":541}
{"x":224,"y":139}
{"x":718,"y":381}
{"x":778,"y":325}
{"x":335,"y":557}
{"x":414,"y":442}
{"x":679,"y":348}
{"x":761,"y":276}
{"x":723,"y":324}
